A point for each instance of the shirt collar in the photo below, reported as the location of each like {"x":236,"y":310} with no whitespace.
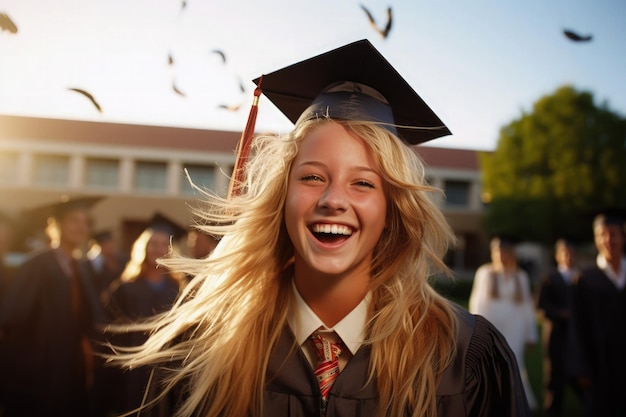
{"x":619,"y":278}
{"x":351,"y":329}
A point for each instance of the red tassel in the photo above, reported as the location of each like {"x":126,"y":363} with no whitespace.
{"x":243,"y":148}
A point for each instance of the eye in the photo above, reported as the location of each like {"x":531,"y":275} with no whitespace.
{"x":311,"y":177}
{"x":363,"y":183}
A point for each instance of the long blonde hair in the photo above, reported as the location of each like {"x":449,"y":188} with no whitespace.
{"x":240,"y":294}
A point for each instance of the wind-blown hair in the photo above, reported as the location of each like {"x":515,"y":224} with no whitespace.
{"x":216,"y":341}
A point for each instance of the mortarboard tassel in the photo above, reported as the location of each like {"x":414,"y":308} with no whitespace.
{"x":243,"y":148}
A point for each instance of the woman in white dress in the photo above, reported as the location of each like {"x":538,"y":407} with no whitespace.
{"x":501,"y":293}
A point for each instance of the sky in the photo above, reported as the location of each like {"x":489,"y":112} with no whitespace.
{"x":478,"y":64}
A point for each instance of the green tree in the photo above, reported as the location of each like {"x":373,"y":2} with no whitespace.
{"x":555,"y":166}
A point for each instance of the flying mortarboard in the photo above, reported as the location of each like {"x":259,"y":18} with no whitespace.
{"x":353,"y":82}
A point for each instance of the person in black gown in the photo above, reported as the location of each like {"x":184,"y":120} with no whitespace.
{"x":48,"y":321}
{"x":555,"y":300}
{"x":329,"y":237}
{"x":601,"y":318}
{"x":143,"y":290}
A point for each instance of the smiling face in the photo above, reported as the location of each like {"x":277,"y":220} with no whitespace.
{"x":157,"y":247}
{"x":609,"y":240}
{"x":335,"y":208}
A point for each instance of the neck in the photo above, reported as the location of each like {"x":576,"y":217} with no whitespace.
{"x":332,"y":298}
{"x":615,"y":262}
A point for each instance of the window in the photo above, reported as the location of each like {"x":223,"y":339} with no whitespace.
{"x":457,"y":193}
{"x":150,"y":176}
{"x":102,"y":173}
{"x":8,"y":168}
{"x":202,"y":176}
{"x":51,"y":170}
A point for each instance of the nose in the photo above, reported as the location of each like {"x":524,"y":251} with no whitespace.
{"x":333,"y":198}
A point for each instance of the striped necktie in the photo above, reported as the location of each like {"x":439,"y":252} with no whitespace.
{"x":327,"y":369}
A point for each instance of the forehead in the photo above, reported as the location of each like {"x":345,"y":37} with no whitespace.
{"x":333,"y":141}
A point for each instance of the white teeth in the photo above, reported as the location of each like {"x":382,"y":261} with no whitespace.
{"x":335,"y":229}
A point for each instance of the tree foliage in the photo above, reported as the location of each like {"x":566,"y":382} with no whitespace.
{"x":555,"y":166}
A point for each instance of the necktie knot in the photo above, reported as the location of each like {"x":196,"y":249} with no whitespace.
{"x":327,"y":350}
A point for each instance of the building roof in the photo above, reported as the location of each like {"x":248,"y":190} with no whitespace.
{"x":60,"y":130}
{"x":449,"y":158}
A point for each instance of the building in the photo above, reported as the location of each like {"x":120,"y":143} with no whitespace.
{"x":140,"y":171}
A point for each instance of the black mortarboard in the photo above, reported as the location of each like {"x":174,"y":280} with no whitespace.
{"x":353,"y":82}
{"x":59,"y":208}
{"x":163,"y":223}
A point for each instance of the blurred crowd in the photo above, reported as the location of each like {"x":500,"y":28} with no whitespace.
{"x":580,"y":308}
{"x":56,"y":305}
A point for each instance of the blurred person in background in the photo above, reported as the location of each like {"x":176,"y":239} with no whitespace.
{"x":143,"y":290}
{"x":555,"y":300}
{"x":200,"y":243}
{"x":48,"y":321}
{"x":601,"y":318}
{"x":107,"y":260}
{"x":501,"y":293}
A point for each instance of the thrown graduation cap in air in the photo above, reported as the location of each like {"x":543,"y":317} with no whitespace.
{"x":353,"y":82}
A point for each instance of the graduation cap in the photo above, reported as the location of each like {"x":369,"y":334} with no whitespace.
{"x":58,"y":209}
{"x":160,"y":222}
{"x":353,"y":82}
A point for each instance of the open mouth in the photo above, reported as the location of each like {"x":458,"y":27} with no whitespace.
{"x":331,"y":233}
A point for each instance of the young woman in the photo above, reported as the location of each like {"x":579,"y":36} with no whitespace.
{"x":332,"y":237}
{"x":143,"y":290}
{"x":501,"y":293}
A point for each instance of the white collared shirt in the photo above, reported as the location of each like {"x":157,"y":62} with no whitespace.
{"x":303,"y":322}
{"x":619,"y":278}
{"x":566,"y":273}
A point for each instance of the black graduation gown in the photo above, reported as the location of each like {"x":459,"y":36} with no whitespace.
{"x":42,"y":359}
{"x":554,"y":296}
{"x":133,"y":301}
{"x":482,"y":381}
{"x":601,"y":320}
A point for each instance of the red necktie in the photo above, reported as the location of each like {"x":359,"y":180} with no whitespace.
{"x":327,"y":369}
